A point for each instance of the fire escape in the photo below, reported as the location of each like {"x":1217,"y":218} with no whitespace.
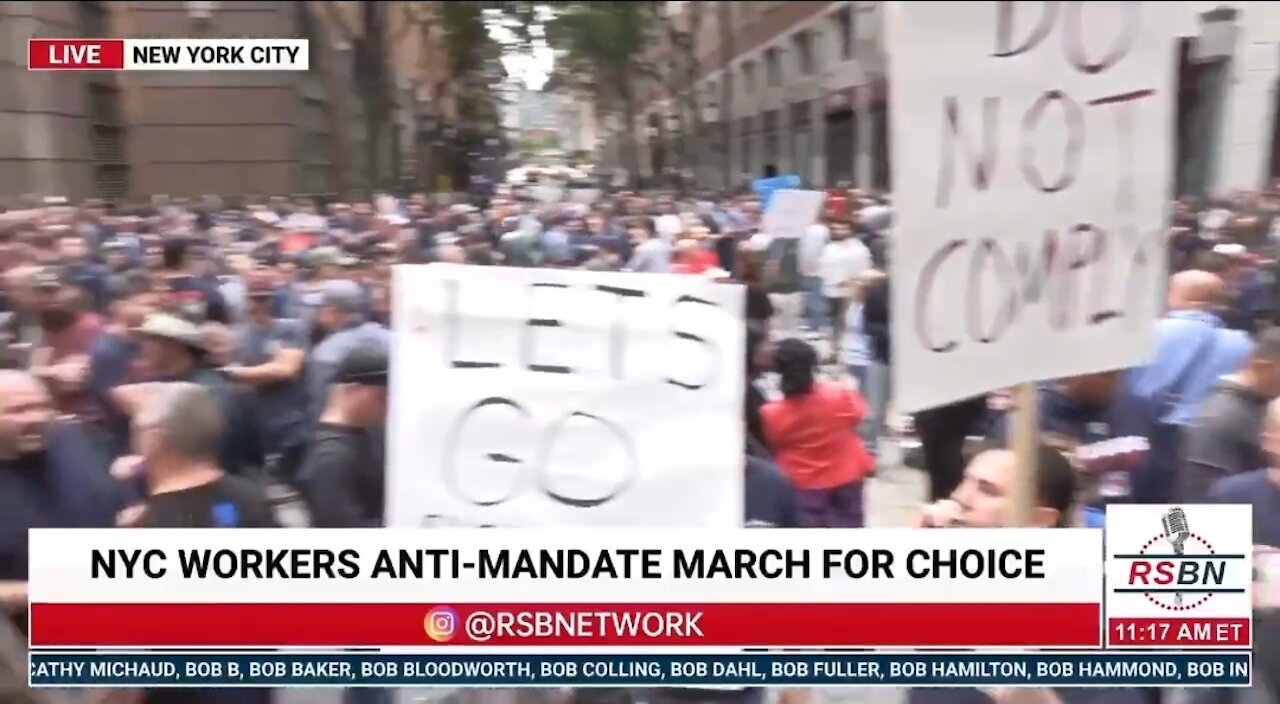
{"x":107,"y":131}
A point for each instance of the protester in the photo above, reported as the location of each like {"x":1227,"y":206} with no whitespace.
{"x":812,"y":432}
{"x":1224,"y":440}
{"x":269,"y":358}
{"x":1193,"y":349}
{"x":51,"y":476}
{"x":196,"y":297}
{"x":844,"y":260}
{"x":177,"y":435}
{"x":342,"y":479}
{"x":67,"y":332}
{"x":342,"y":321}
{"x":983,"y":501}
{"x":879,"y":376}
{"x":1260,"y":489}
{"x":650,"y":253}
{"x":174,"y":349}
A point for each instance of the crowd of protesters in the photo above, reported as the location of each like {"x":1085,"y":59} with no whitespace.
{"x":194,"y":364}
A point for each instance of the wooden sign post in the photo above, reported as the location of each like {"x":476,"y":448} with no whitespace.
{"x":1024,"y":439}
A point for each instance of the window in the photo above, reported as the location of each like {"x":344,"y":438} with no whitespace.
{"x":772,"y":68}
{"x":93,"y":19}
{"x":844,"y":32}
{"x":749,"y":77}
{"x":804,"y":52}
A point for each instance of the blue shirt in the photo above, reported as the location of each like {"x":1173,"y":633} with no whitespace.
{"x":111,"y":364}
{"x":1258,"y":490}
{"x":557,"y":245}
{"x":282,"y":404}
{"x":1193,"y":350}
{"x":69,"y":485}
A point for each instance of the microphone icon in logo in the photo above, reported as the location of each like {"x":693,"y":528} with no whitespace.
{"x":1176,"y":532}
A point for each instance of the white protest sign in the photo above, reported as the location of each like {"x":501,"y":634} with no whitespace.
{"x":543,"y":397}
{"x":791,"y":211}
{"x":1032,"y":160}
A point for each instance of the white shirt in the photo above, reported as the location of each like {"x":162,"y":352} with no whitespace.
{"x":812,"y":242}
{"x":668,"y":226}
{"x":841,"y":263}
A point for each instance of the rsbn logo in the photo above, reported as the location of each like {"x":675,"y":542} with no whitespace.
{"x":1177,"y":569}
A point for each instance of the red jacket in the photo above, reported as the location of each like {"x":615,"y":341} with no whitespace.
{"x":814,"y":436}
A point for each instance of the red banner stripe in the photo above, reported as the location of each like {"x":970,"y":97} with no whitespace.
{"x":818,"y":625}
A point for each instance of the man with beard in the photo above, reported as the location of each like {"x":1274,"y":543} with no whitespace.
{"x":173,"y":350}
{"x":68,"y":333}
{"x":116,"y":356}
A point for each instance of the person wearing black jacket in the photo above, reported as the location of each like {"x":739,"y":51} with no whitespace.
{"x":875,"y":325}
{"x":342,"y":478}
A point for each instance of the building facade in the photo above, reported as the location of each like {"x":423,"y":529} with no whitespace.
{"x":799,"y":87}
{"x":785,"y":87}
{"x":132,"y":135}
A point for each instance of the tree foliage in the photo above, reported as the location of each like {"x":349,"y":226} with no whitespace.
{"x":601,"y":47}
{"x":602,"y":52}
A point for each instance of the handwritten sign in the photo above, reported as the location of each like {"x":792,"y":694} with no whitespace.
{"x":764,"y":188}
{"x":1032,"y":162}
{"x":792,"y":212}
{"x":523,"y":397}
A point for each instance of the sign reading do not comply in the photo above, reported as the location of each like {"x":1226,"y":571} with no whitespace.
{"x":524,"y":397}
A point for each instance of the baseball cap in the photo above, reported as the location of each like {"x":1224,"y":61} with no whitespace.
{"x":171,"y":327}
{"x":343,"y":295}
{"x":366,"y":365}
{"x":327,"y":256}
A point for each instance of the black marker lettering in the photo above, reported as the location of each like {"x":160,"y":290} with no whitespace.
{"x":1005,"y":13}
{"x":618,"y":331}
{"x":988,"y":250}
{"x":924,"y":291}
{"x":452,"y":472}
{"x":1073,"y":117}
{"x":527,"y":346}
{"x":1074,"y":34}
{"x":981,"y":166}
{"x":707,"y":345}
{"x":548,"y":447}
{"x":1125,"y":200}
{"x":453,"y":321}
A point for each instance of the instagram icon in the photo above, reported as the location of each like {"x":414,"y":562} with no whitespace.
{"x":440,"y":624}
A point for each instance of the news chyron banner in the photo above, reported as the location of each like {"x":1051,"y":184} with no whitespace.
{"x":643,"y":607}
{"x":1180,"y":576}
{"x":451,"y":588}
{"x":168,"y":54}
